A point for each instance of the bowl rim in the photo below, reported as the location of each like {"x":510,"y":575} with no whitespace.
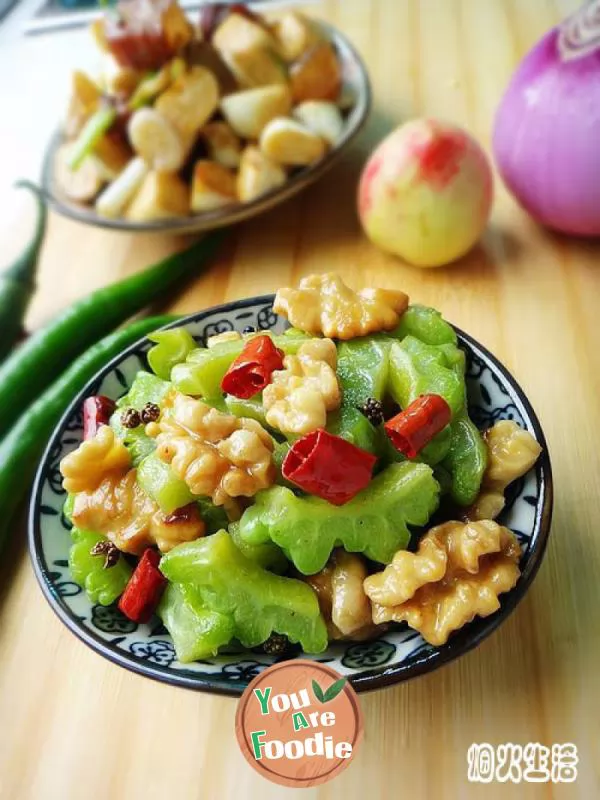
{"x":210,"y":220}
{"x":366,"y":680}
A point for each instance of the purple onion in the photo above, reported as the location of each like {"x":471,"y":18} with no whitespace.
{"x":547,"y":130}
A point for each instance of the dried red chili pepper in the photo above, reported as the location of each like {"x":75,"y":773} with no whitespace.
{"x":97,"y":411}
{"x":328,"y":466}
{"x":411,"y":429}
{"x":143,"y":592}
{"x":252,"y":369}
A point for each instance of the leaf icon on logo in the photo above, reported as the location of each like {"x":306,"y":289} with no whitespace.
{"x":329,"y":694}
{"x":318,"y":692}
{"x":334,"y":690}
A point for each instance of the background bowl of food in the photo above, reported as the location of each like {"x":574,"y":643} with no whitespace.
{"x":475,"y":510}
{"x":194,"y":126}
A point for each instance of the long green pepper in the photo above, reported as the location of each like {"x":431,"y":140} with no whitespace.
{"x":21,"y":449}
{"x":17,"y":283}
{"x":40,"y":359}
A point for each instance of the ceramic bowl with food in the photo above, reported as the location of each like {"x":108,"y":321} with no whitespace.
{"x":483,"y":527}
{"x":224,"y":117}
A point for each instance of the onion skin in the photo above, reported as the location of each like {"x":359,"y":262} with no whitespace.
{"x":546,"y":138}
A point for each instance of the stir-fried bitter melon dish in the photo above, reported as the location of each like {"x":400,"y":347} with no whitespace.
{"x":277,"y":490}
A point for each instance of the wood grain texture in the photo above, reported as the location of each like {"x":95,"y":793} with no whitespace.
{"x":75,"y":726}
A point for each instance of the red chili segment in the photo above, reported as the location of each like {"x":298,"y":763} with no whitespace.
{"x":252,"y":369}
{"x":97,"y":411}
{"x":411,"y":429}
{"x":143,"y":592}
{"x":328,"y":466}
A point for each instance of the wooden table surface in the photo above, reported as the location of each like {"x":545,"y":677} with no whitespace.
{"x":75,"y":726}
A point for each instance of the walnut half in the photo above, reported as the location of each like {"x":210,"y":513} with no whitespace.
{"x":323,"y":304}
{"x":217,"y":455}
{"x":102,"y":456}
{"x":123,"y":512}
{"x":342,"y":599}
{"x":298,"y":398}
{"x":512,"y":452}
{"x":456,"y":574}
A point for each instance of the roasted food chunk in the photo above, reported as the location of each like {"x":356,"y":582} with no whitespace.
{"x":298,"y":398}
{"x":323,"y":304}
{"x":97,"y":458}
{"x":217,"y":455}
{"x":512,"y":452}
{"x":342,"y":599}
{"x":457,"y":573}
{"x":120,"y":509}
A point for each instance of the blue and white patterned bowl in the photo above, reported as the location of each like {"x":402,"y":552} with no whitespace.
{"x":398,"y":655}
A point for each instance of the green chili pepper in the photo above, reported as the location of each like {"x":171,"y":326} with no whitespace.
{"x":25,"y":374}
{"x":21,"y":449}
{"x":18,"y":281}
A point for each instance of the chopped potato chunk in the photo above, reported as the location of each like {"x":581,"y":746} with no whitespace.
{"x":295,"y":34}
{"x":203,"y":54}
{"x":287,"y":142}
{"x":177,"y":29}
{"x":190,"y":101}
{"x":223,"y":145}
{"x":111,"y":156}
{"x":156,"y":140}
{"x":257,"y":68}
{"x":85,"y":98}
{"x":249,"y":51}
{"x":237,"y":32}
{"x":161,"y":195}
{"x":213,"y":186}
{"x":250,"y":110}
{"x":317,"y":75}
{"x":322,"y":118}
{"x":82,"y":184}
{"x":257,"y":175}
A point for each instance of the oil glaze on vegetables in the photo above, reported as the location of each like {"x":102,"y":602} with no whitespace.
{"x":425,"y":194}
{"x":547,"y":128}
{"x":268,"y":538}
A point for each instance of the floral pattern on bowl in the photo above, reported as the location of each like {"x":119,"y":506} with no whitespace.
{"x":399,"y":654}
